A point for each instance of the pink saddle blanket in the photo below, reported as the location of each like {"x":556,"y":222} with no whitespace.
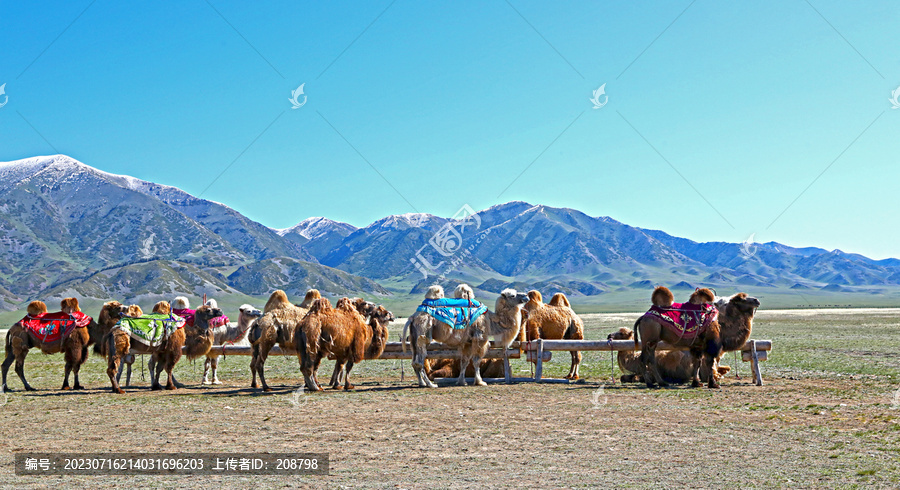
{"x":687,"y":320}
{"x":51,"y":327}
{"x":188,"y":316}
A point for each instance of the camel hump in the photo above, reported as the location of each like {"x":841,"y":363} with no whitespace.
{"x":702,"y":295}
{"x":36,"y":308}
{"x":69,"y":305}
{"x":662,"y":296}
{"x":277,"y":300}
{"x":559,"y":299}
{"x":535,"y":296}
{"x":320,"y":305}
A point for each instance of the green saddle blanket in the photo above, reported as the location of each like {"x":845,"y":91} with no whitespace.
{"x":151,"y":329}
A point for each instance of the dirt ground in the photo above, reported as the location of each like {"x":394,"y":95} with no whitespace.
{"x":805,"y":428}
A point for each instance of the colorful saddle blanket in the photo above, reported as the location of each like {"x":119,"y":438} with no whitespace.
{"x":188,"y":316}
{"x":152,"y":329}
{"x":51,"y":327}
{"x":458,"y":313}
{"x":685,"y":319}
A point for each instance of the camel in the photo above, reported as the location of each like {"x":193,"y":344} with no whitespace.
{"x":276,"y":326}
{"x":674,"y":366}
{"x":555,"y":320}
{"x":72,"y":332}
{"x":342,"y":332}
{"x":230,"y":333}
{"x":472,"y":340}
{"x":166,"y":351}
{"x":366,"y":309}
{"x":449,"y":368}
{"x":707,"y":345}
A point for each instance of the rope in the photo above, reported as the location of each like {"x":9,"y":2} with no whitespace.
{"x":142,"y":367}
{"x":736,"y":375}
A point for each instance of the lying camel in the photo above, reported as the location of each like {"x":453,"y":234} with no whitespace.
{"x":674,"y":365}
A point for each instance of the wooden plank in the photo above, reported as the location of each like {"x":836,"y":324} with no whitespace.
{"x":747,"y":356}
{"x":539,"y":369}
{"x":617,"y":345}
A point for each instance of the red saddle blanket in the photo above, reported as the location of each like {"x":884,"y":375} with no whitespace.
{"x":687,"y":320}
{"x":188,"y":316}
{"x":51,"y":327}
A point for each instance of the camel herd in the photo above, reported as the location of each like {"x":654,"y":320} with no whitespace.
{"x":354,"y":329}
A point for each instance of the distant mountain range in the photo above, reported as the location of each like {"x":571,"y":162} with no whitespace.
{"x":67,"y":228}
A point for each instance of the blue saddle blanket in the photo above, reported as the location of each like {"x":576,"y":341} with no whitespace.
{"x":458,"y":313}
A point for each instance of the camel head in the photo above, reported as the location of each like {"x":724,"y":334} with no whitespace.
{"x":745,"y":304}
{"x":36,"y":308}
{"x":434,"y":292}
{"x":379,"y":321}
{"x":162,"y":308}
{"x":623,"y":333}
{"x":111,"y":312}
{"x":69,"y":305}
{"x":506,"y":319}
{"x":363,"y":307}
{"x":463,"y":291}
{"x":511,"y":297}
{"x":181,"y":303}
{"x":250,"y":311}
{"x":701,"y":296}
{"x":212,"y":303}
{"x":662,"y":297}
{"x":203,"y":315}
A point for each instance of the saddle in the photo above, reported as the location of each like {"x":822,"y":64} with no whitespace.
{"x":687,"y":320}
{"x":458,"y":313}
{"x":51,"y":327}
{"x":188,"y":316}
{"x":150,"y":330}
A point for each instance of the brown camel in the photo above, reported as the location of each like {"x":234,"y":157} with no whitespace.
{"x":449,"y":368}
{"x":341,"y":332}
{"x":706,"y":347}
{"x":674,"y":365}
{"x":276,"y":326}
{"x":165,"y":352}
{"x":472,"y":341}
{"x":555,"y":320}
{"x":366,"y":309}
{"x":736,"y":321}
{"x":75,"y":333}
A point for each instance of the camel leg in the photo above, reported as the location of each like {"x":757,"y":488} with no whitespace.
{"x":113,"y":365}
{"x":695,"y":370}
{"x":156,"y":371}
{"x":253,"y":360}
{"x":418,"y":362}
{"x":129,"y":359}
{"x":463,"y":364}
{"x":476,"y":365}
{"x":84,"y":356}
{"x":710,"y":362}
{"x":215,"y":370}
{"x":261,"y":368}
{"x":336,"y":376}
{"x":69,"y":365}
{"x":576,"y":362}
{"x":10,"y":358}
{"x":170,"y":365}
{"x":20,"y":370}
{"x":207,"y":363}
{"x":651,"y":368}
{"x":74,"y":356}
{"x":347,"y":385}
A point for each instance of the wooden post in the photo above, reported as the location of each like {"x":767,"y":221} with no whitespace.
{"x":506,"y":369}
{"x":757,"y":375}
{"x":539,"y":369}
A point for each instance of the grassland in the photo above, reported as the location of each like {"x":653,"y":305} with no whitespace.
{"x":826,"y":417}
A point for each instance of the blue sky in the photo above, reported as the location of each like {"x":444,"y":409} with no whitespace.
{"x":426,"y":106}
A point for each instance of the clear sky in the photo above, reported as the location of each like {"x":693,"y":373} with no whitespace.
{"x":720,"y":120}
